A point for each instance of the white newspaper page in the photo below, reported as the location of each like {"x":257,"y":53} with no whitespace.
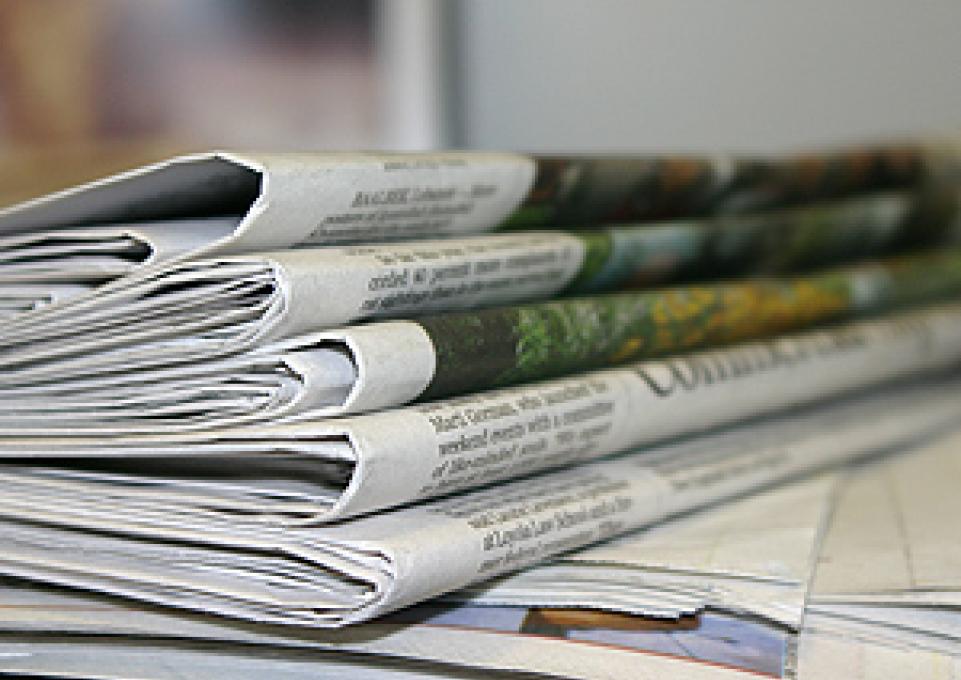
{"x":321,"y":470}
{"x":827,"y":655}
{"x":167,"y":355}
{"x":361,"y":569}
{"x":20,"y":298}
{"x":900,"y":519}
{"x":197,"y":312}
{"x":218,"y":203}
{"x":121,"y":659}
{"x":749,"y":557}
{"x":887,"y":591}
{"x":483,"y":644}
{"x":145,"y":216}
{"x":205,"y":308}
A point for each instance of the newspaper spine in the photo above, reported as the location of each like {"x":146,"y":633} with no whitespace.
{"x":482,"y":438}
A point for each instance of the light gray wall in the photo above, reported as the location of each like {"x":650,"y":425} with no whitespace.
{"x":704,"y":74}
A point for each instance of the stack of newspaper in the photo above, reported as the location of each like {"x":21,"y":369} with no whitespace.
{"x":260,"y":397}
{"x":846,"y":573}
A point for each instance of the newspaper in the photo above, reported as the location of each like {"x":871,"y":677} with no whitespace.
{"x":776,"y":527}
{"x":901,"y":519}
{"x":357,"y":570}
{"x":17,"y":299}
{"x":257,"y":201}
{"x":275,"y":294}
{"x":886,"y":523}
{"x":218,"y":203}
{"x":174,"y":384}
{"x":897,"y":516}
{"x":112,"y":659}
{"x":824,"y":655}
{"x":578,"y":190}
{"x":741,"y":557}
{"x":379,"y":460}
{"x":750,"y":557}
{"x":886,"y":597}
{"x":284,"y":200}
{"x":59,"y":632}
{"x":325,"y":469}
{"x":881,"y":540}
{"x":226,"y":203}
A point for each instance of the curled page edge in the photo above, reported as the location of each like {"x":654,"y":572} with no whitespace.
{"x":283,"y":200}
{"x":281,"y":197}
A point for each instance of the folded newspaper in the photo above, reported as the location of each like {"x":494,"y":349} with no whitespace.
{"x":688,"y":590}
{"x":321,"y":470}
{"x":352,"y":572}
{"x":192,"y":511}
{"x":276,"y":294}
{"x":859,"y":564}
{"x":694,"y":597}
{"x":221,"y":203}
{"x":752,"y":557}
{"x":55,"y":633}
{"x":148,"y":386}
{"x":901,"y":518}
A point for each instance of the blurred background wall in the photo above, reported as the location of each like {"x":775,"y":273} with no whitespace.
{"x":707,"y":74}
{"x":91,"y":86}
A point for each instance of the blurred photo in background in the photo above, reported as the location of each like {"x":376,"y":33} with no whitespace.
{"x":88,"y":87}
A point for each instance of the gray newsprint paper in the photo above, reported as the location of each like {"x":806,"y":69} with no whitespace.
{"x":358,"y":570}
{"x":826,"y":655}
{"x":897,"y":516}
{"x":113,"y":226}
{"x":750,"y":557}
{"x":162,"y":356}
{"x":885,"y":599}
{"x":858,"y":563}
{"x":320,"y":469}
{"x":199,"y":314}
{"x":17,"y":299}
{"x":71,"y":634}
{"x":219,"y":203}
{"x":886,"y":596}
{"x":201,"y":309}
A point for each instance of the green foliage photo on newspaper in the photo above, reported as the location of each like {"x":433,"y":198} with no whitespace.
{"x":508,"y":345}
{"x":571,"y":190}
